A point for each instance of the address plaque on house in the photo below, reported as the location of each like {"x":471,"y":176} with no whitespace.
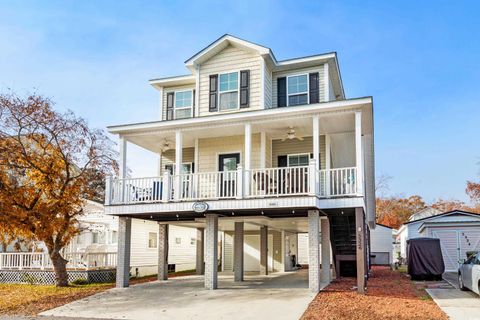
{"x":200,"y":207}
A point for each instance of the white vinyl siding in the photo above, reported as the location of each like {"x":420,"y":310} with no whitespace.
{"x":168,"y":157}
{"x":210,"y":148}
{"x":321,"y":80}
{"x":228,"y":60}
{"x":283,"y":148}
{"x":166,"y":90}
{"x":268,"y":87}
{"x":381,"y":240}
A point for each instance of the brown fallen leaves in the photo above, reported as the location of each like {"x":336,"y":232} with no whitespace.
{"x":23,"y":299}
{"x":391,"y":295}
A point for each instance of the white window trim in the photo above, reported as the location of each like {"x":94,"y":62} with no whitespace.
{"x":148,"y":240}
{"x":228,"y":91}
{"x":183,"y":163}
{"x":297,"y":155}
{"x":182,"y":108}
{"x":297,"y":94}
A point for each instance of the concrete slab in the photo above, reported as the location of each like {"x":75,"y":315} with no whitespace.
{"x":461,"y":305}
{"x":276,"y":296}
{"x":452,"y":278}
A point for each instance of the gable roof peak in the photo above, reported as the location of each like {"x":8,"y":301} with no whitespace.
{"x":223,"y":42}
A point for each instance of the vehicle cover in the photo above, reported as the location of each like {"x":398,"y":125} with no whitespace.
{"x":425,"y":260}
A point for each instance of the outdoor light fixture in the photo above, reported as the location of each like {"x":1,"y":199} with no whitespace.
{"x":262,"y":213}
{"x":293,"y":211}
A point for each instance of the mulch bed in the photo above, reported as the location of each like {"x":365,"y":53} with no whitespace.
{"x":390,"y":295}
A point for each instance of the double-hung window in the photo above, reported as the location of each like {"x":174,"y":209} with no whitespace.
{"x":298,"y":160}
{"x":183,"y":104}
{"x":228,"y":90}
{"x":297,"y":89}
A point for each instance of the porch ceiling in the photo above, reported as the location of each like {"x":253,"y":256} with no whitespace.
{"x":275,"y":127}
{"x":294,"y":224}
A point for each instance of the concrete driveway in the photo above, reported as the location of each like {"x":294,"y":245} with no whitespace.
{"x":458,"y":305}
{"x":277,"y":296}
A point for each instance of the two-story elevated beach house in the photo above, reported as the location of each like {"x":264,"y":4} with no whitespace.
{"x":257,"y":150}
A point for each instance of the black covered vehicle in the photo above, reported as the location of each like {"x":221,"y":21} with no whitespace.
{"x":424,"y":258}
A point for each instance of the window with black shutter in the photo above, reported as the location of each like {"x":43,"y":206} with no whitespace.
{"x":244,"y":88}
{"x":213,"y":103}
{"x":170,"y":98}
{"x":282,"y":92}
{"x":313,"y":88}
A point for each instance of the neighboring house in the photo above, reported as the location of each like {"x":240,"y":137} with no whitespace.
{"x":100,"y":234}
{"x":381,"y":242}
{"x":458,"y":231}
{"x":257,"y":150}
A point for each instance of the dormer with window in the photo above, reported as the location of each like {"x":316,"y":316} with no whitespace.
{"x":234,"y":75}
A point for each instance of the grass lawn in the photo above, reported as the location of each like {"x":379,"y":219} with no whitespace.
{"x":26,"y":299}
{"x":390,"y":295}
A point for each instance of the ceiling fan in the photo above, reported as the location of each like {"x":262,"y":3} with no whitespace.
{"x":290,"y":135}
{"x":165,"y":145}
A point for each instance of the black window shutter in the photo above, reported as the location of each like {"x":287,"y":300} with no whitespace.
{"x":282,"y":161}
{"x":170,"y":97}
{"x":193,"y":167}
{"x":244,"y":88}
{"x":314,"y":88}
{"x":213,"y":103}
{"x":282,"y":92}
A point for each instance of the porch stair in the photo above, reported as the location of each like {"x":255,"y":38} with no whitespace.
{"x":343,"y":240}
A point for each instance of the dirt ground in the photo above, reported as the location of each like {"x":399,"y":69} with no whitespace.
{"x":390,"y":295}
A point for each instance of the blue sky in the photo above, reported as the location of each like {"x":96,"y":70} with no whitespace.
{"x":419,"y":60}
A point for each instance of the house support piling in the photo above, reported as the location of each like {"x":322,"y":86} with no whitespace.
{"x":123,"y":258}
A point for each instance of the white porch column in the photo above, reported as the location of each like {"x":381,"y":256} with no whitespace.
{"x":247,"y":158}
{"x":123,"y":158}
{"x":264,"y":250}
{"x":211,"y":253}
{"x":328,"y":164}
{"x":200,"y":257}
{"x":358,"y":151}
{"x":325,"y":227}
{"x":238,"y":242}
{"x":316,"y":140}
{"x":123,"y":253}
{"x":159,"y":169}
{"x":313,"y":251}
{"x":178,"y":163}
{"x":263,"y":150}
{"x":162,"y":251}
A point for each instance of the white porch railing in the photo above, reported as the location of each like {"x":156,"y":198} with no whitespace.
{"x":278,"y":181}
{"x":253,"y":183}
{"x":337,"y":182}
{"x":41,"y":260}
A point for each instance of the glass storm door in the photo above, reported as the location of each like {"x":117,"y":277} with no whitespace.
{"x":227,"y":165}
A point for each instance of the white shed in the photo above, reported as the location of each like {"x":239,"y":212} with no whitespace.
{"x":381,"y":243}
{"x":458,"y":231}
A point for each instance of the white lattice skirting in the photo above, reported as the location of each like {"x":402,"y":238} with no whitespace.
{"x":48,"y":276}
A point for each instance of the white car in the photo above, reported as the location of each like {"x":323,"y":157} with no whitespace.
{"x":469,"y":274}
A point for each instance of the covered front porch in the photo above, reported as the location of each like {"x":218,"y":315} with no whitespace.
{"x":248,"y":156}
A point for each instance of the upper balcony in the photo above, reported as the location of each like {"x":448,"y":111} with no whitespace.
{"x":321,"y":151}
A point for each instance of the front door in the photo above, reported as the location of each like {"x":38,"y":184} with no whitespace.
{"x":227,"y":165}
